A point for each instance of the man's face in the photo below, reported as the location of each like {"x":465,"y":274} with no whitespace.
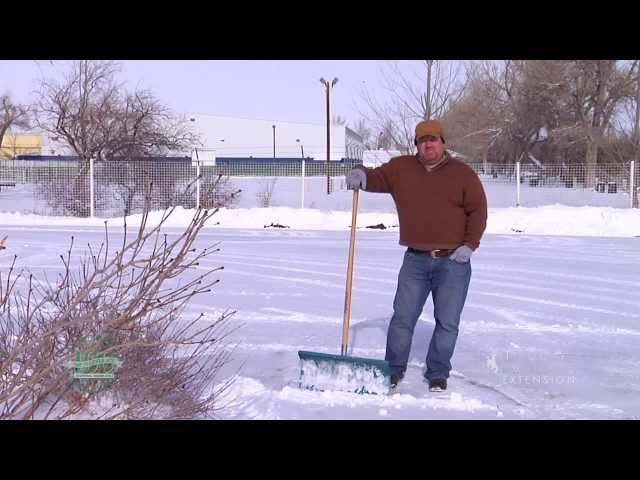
{"x":430,"y":148}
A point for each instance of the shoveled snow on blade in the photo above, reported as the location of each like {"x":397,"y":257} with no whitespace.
{"x":326,"y":375}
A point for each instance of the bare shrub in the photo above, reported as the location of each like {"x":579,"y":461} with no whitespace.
{"x":127,"y":304}
{"x":265,"y":192}
{"x":218,"y":192}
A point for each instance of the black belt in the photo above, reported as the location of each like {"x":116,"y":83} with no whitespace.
{"x":438,"y":252}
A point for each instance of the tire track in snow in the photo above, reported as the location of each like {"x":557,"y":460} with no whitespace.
{"x":528,"y":326}
{"x":528,"y":287}
{"x":390,"y":282}
{"x":478,"y":268}
{"x":563,"y":325}
{"x":588,"y":257}
{"x":537,"y":327}
{"x":476,"y":280}
{"x":555,"y":304}
{"x":531,"y":284}
{"x":270,"y":314}
{"x":568,"y":326}
{"x":547,"y":282}
{"x":302,"y":270}
{"x":526,"y":272}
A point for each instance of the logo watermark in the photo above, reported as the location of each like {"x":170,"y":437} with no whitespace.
{"x":538,"y":379}
{"x":508,"y":366}
{"x":93,"y":369}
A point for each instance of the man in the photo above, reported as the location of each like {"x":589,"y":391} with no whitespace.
{"x":442,"y":209}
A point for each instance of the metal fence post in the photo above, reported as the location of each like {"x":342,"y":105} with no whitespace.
{"x":303,"y":177}
{"x":632,"y":184}
{"x":517,"y":184}
{"x":197,"y":184}
{"x":91,"y":188}
{"x":197,"y":177}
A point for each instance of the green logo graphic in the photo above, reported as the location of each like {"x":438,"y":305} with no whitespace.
{"x":93,"y":369}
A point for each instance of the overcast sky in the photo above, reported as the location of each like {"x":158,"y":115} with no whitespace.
{"x":288,"y":90}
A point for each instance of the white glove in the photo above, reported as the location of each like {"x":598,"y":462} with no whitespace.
{"x":356,"y":179}
{"x":461,"y":254}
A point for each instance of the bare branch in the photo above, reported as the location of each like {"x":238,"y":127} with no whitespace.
{"x":128,"y":302}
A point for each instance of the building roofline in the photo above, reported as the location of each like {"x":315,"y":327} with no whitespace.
{"x":259,"y":119}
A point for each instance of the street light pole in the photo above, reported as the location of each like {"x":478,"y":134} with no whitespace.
{"x":274,"y":141}
{"x":636,"y":142}
{"x":328,"y":86}
{"x":429,"y":65}
{"x":301,"y":147}
{"x":302,"y":174}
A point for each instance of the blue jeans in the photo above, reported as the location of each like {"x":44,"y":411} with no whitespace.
{"x":448,"y":282}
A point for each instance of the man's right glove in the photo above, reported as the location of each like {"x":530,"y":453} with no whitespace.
{"x":356,"y":179}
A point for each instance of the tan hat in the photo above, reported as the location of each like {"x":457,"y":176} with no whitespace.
{"x":429,"y":127}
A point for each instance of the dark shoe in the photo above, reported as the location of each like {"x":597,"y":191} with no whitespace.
{"x":438,"y":385}
{"x":396,"y":378}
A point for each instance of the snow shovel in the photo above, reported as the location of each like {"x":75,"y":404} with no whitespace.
{"x":322,"y":371}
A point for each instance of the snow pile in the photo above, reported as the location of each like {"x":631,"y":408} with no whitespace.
{"x":326,"y":375}
{"x":547,"y":220}
{"x":385,"y":404}
{"x":563,"y":220}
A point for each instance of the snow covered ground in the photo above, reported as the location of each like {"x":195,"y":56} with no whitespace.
{"x":550,"y":330}
{"x":546,"y":220}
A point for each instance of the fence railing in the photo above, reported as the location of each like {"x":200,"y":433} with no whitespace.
{"x":114,"y":188}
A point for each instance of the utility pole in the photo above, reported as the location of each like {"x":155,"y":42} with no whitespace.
{"x":302,"y":174}
{"x":328,"y":86}
{"x":429,"y":65}
{"x":274,"y":141}
{"x":636,"y":142}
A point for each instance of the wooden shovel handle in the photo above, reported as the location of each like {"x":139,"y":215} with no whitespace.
{"x":347,"y":294}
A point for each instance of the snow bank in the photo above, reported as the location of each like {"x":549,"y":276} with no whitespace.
{"x":547,"y":220}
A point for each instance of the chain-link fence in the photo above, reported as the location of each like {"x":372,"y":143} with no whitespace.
{"x":610,"y":184}
{"x":58,"y":186}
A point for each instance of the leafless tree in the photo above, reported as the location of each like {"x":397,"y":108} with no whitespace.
{"x":363,"y":131}
{"x":596,"y":89}
{"x":12,"y":115}
{"x":92,"y":113}
{"x":511,"y":105}
{"x":474,"y":122}
{"x":265,"y":191}
{"x":411,"y":95}
{"x":567,"y":111}
{"x":129,"y":304}
{"x":338,"y":120}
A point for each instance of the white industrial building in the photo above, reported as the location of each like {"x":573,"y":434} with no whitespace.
{"x":236,"y":137}
{"x":223,"y":136}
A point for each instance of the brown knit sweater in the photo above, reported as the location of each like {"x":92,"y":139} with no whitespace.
{"x":443,"y":208}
